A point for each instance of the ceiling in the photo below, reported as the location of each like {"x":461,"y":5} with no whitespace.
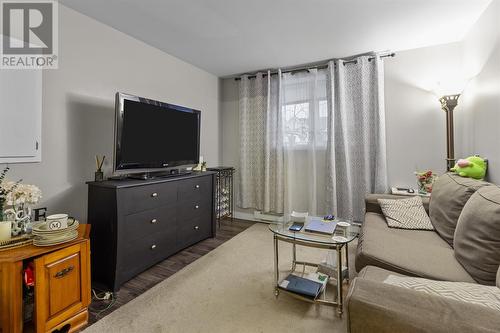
{"x":226,"y":37}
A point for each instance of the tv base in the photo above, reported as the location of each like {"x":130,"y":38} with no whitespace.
{"x":158,"y":174}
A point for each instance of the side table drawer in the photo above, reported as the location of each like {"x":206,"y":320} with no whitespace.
{"x":62,"y":285}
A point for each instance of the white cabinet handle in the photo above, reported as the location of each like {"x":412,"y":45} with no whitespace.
{"x":197,"y":186}
{"x":154,"y":194}
{"x":196,"y":228}
{"x":153,"y":221}
{"x":153,"y":246}
{"x":196,"y":207}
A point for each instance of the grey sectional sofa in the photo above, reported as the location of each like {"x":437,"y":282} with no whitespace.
{"x":460,"y":249}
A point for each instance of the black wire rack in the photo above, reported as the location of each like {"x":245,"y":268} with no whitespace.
{"x":224,"y":194}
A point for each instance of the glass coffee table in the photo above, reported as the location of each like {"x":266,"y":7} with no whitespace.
{"x":337,"y":242}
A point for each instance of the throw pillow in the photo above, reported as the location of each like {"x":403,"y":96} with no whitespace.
{"x":477,"y":237}
{"x":450,"y":192}
{"x":405,"y":213}
{"x":460,"y":291}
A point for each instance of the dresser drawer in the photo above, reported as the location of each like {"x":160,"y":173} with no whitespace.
{"x":193,"y":230}
{"x":148,"y":196}
{"x":149,"y":222}
{"x":195,"y":188}
{"x":188,"y":210}
{"x":145,"y":252}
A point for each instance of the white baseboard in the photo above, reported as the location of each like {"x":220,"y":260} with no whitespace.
{"x":257,"y":216}
{"x":245,"y":216}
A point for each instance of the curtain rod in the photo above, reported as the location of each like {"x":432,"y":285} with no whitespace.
{"x":306,"y":68}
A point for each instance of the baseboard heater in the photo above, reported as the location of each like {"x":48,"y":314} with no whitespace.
{"x":258,"y":215}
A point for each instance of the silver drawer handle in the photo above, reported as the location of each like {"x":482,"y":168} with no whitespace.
{"x":153,"y":246}
{"x":154,"y":221}
{"x":196,"y":228}
{"x":196,"y":207}
{"x":154,"y":194}
{"x":197,"y":186}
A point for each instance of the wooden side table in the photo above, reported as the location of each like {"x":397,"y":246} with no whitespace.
{"x":62,"y":286}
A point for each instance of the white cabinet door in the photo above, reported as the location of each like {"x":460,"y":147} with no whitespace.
{"x":20,"y":115}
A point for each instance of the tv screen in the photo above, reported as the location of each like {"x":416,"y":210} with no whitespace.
{"x":151,"y":135}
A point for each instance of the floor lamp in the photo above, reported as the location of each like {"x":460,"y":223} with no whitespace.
{"x":448,"y":104}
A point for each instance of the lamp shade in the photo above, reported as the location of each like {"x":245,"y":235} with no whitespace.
{"x":451,"y":86}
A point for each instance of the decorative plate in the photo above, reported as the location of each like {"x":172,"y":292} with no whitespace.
{"x":42,"y":227}
{"x":38,"y":243}
{"x":54,"y":240}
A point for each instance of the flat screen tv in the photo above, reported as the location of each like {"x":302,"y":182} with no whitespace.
{"x":152,"y":136}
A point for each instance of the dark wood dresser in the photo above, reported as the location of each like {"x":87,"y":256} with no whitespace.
{"x":137,"y":223}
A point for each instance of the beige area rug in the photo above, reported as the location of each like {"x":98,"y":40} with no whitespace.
{"x":228,"y":290}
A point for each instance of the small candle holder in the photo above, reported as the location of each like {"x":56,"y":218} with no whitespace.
{"x":99,"y":176}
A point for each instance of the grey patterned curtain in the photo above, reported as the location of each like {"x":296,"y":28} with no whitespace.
{"x":356,"y":154}
{"x":261,"y":144}
{"x":313,"y":141}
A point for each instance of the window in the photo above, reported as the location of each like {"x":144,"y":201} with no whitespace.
{"x":301,"y":122}
{"x":296,"y":124}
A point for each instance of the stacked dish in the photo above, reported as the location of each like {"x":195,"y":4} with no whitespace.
{"x":44,"y":236}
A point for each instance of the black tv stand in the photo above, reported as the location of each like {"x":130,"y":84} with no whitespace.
{"x":138,"y":223}
{"x":158,"y":174}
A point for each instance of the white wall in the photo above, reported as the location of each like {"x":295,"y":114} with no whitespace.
{"x":481,"y":97}
{"x":96,"y":61}
{"x":415,"y":123}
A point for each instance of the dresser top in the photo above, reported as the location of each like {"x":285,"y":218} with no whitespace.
{"x":127,"y":182}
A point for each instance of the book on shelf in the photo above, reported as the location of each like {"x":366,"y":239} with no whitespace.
{"x":310,"y":285}
{"x":319,"y":278}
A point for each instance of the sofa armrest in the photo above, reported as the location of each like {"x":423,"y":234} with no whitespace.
{"x":373,"y":306}
{"x":372,"y":206}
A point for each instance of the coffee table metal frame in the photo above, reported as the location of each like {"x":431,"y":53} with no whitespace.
{"x":342,"y":274}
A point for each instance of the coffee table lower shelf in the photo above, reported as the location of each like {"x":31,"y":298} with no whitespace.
{"x":318,"y":299}
{"x":341,"y":276}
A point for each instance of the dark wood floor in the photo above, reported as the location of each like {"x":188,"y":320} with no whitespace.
{"x":165,"y":269}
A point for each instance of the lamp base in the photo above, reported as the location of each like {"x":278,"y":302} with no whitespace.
{"x":450,"y":163}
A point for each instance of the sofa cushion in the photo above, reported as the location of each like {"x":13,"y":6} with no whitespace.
{"x":406,"y":213}
{"x":477,"y":237}
{"x":411,"y":252}
{"x":373,"y":306}
{"x":473,"y":293}
{"x":450,"y":192}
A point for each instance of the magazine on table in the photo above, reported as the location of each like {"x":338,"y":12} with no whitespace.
{"x":318,"y":225}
